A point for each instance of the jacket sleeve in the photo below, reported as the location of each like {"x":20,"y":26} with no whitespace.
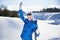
{"x":35,"y":28}
{"x":21,"y":14}
{"x":34,"y":25}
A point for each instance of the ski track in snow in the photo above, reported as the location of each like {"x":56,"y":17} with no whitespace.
{"x":11,"y":28}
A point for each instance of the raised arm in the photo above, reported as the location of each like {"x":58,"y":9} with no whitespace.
{"x":21,"y":12}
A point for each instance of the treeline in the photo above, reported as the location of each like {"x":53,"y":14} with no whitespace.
{"x":48,"y":10}
{"x":8,"y":13}
{"x":5,"y":12}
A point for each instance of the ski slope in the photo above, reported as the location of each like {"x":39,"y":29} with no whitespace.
{"x":11,"y":28}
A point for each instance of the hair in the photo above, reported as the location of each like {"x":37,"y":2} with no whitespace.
{"x":29,"y":14}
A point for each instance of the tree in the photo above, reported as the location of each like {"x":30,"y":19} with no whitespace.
{"x":5,"y":12}
{"x":14,"y":14}
{"x":2,"y":7}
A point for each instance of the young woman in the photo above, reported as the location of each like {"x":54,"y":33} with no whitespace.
{"x":30,"y":25}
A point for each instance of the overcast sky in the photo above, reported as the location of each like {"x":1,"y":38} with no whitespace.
{"x":30,"y":3}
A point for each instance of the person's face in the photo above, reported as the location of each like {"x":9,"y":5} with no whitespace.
{"x":30,"y":17}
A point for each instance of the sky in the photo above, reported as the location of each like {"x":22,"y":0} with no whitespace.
{"x":30,"y":4}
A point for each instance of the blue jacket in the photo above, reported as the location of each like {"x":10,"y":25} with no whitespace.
{"x":29,"y":27}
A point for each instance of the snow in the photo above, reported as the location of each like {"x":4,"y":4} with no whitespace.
{"x":11,"y":28}
{"x":48,"y":31}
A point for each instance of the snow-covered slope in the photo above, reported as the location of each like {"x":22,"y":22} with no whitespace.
{"x":11,"y":28}
{"x":48,"y":31}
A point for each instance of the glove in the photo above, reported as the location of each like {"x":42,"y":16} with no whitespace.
{"x":37,"y":33}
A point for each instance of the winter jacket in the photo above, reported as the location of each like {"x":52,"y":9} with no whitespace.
{"x":29,"y":27}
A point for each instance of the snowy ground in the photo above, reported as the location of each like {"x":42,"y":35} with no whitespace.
{"x":10,"y":29}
